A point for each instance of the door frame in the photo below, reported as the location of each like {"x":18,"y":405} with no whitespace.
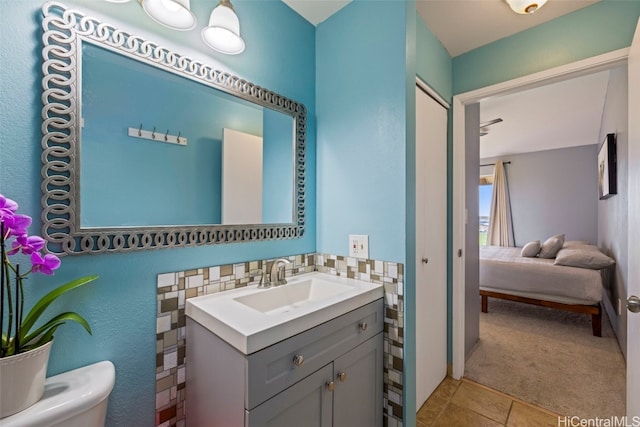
{"x":587,"y":66}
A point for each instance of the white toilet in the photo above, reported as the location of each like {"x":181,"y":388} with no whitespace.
{"x":76,"y":398}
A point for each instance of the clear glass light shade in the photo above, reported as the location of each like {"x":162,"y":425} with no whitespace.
{"x":525,"y":6}
{"x":223,"y":32}
{"x":175,"y":14}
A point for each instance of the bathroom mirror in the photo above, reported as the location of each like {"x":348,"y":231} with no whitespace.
{"x":145,"y":148}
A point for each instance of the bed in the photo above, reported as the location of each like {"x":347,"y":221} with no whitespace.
{"x":505,"y":274}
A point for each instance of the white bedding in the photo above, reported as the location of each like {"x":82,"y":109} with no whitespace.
{"x":502,"y":269}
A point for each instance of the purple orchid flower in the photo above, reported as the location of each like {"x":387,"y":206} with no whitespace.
{"x":26,"y":244}
{"x":7,"y":206}
{"x":44,"y":265}
{"x":16,"y":225}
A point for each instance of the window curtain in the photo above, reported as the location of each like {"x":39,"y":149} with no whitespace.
{"x":500,"y":225}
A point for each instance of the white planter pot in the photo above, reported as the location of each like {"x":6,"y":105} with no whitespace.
{"x":22,"y":379}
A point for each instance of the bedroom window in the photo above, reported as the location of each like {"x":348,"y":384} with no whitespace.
{"x":484,"y":208}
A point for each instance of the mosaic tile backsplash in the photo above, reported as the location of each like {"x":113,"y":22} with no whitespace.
{"x":175,"y":288}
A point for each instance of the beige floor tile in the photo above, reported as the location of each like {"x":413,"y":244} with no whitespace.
{"x":522,"y":415}
{"x":447,"y":388}
{"x":431,"y":409}
{"x":458,"y":416}
{"x":476,"y":398}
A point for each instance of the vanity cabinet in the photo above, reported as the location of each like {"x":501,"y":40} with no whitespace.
{"x":329,"y":375}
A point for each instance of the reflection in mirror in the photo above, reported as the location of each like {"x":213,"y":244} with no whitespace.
{"x":129,"y":181}
{"x":134,"y":148}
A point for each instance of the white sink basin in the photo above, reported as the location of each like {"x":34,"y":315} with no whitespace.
{"x":293,"y":295}
{"x":250,"y":318}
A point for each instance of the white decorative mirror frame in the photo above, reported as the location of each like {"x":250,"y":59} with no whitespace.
{"x":64,"y":31}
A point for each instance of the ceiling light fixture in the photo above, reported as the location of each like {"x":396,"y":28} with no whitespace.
{"x":223,"y":32}
{"x":525,"y":7}
{"x":174,"y":14}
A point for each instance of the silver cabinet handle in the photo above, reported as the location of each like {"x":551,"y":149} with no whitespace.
{"x":633,"y":304}
{"x":363,"y":326}
{"x":342,"y":376}
{"x":298,"y":360}
{"x":330,"y":385}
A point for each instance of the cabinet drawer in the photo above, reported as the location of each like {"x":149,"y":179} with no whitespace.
{"x":271,"y":370}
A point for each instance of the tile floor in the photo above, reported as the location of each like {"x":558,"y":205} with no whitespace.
{"x":464,"y":403}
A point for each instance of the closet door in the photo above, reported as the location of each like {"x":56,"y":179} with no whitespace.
{"x":431,"y":245}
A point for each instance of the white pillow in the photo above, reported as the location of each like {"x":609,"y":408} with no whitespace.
{"x":583,"y":257}
{"x":551,"y":246}
{"x":574,"y":243}
{"x":531,"y":249}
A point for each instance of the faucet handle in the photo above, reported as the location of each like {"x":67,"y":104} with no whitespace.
{"x":264,"y":280}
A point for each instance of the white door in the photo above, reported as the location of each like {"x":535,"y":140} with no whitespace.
{"x":241,"y":177}
{"x":431,"y":245}
{"x":633,"y":319}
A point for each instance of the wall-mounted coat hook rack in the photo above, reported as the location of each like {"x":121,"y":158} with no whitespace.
{"x":155,"y":136}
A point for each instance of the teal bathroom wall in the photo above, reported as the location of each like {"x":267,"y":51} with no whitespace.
{"x":433,"y":63}
{"x":121,"y":305}
{"x":602,"y":27}
{"x":361,"y":104}
{"x":365,"y":57}
{"x":276,"y":185}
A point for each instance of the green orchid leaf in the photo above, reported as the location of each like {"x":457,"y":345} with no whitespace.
{"x":45,"y":330}
{"x":43,"y":339}
{"x":37,"y":310}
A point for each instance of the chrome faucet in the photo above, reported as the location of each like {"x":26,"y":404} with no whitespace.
{"x":277,"y":275}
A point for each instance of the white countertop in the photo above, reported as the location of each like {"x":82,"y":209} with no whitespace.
{"x":250,"y":330}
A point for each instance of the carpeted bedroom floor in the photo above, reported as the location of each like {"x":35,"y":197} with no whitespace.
{"x":550,"y":358}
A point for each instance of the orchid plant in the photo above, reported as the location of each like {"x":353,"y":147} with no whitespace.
{"x":24,"y":333}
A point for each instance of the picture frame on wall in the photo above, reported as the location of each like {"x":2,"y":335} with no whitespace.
{"x":607,"y":178}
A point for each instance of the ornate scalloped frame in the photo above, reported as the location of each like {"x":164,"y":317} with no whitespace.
{"x":64,"y":31}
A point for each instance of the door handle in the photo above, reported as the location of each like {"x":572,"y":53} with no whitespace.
{"x":633,"y":304}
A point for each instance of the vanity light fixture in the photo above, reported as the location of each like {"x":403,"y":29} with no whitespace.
{"x":223,"y":32}
{"x":174,"y":14}
{"x":525,"y":7}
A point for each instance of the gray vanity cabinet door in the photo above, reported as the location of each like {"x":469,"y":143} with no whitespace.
{"x":307,"y":403}
{"x":358,"y":397}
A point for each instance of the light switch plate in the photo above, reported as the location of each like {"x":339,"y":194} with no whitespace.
{"x":359,"y":246}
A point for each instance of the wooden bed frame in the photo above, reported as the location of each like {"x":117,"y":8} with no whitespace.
{"x":594,"y":310}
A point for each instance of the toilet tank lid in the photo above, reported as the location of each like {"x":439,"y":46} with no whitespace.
{"x":66,"y":395}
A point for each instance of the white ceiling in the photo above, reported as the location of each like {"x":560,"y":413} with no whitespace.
{"x":564,"y":114}
{"x":316,"y":11}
